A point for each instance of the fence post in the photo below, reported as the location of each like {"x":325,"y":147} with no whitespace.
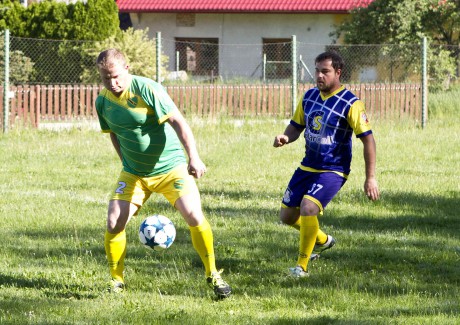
{"x":294,"y":74}
{"x":177,"y":60}
{"x":159,"y":57}
{"x":6,"y":85}
{"x":424,"y":83}
{"x":264,"y":67}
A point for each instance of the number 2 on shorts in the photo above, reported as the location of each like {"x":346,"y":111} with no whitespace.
{"x":120,"y":188}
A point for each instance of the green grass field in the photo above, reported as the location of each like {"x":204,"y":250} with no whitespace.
{"x":396,"y":260}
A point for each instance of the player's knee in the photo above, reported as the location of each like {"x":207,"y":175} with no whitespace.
{"x":116,"y":224}
{"x":309,"y":208}
{"x":193,"y":218}
{"x":115,"y":228}
{"x":289,"y":216}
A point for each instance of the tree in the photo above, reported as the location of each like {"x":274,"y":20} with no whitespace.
{"x":442,"y":21}
{"x":140,"y":52}
{"x":90,"y":20}
{"x":403,"y":24}
{"x":21,"y":67}
{"x":94,"y":20}
{"x":398,"y":22}
{"x":12,"y":17}
{"x":34,"y":30}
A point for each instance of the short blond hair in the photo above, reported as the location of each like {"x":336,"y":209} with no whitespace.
{"x":109,"y":57}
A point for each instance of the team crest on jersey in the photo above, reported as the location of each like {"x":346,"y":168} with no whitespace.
{"x":315,"y":122}
{"x":179,"y":184}
{"x":132,"y":102}
{"x":364,"y":117}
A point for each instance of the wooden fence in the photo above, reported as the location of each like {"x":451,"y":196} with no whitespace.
{"x":33,"y":104}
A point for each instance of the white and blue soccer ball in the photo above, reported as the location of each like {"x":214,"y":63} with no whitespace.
{"x":157,"y":232}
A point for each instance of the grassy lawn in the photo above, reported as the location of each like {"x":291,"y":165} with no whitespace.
{"x":396,"y":260}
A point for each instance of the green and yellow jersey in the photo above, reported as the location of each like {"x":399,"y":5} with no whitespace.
{"x":148,"y":145}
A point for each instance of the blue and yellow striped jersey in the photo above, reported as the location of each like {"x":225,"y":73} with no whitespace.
{"x":149,"y":146}
{"x":329,"y":122}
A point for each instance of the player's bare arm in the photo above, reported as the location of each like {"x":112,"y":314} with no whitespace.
{"x":291,"y":134}
{"x":196,"y":167}
{"x":371,"y":188}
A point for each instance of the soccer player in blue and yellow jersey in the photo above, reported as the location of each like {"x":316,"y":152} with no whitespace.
{"x":328,"y":114}
{"x":149,"y":135}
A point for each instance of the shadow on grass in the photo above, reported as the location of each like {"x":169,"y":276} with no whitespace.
{"x":425,"y":214}
{"x":50,"y":288}
{"x":251,"y":251}
{"x":254,"y":254}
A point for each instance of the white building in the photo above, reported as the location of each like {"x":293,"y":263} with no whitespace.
{"x":230,"y":37}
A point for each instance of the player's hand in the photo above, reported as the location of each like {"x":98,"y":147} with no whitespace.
{"x":196,"y":168}
{"x":371,"y":189}
{"x":280,"y":140}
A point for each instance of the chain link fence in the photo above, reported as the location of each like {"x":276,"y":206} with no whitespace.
{"x":58,"y":80}
{"x":39,"y":61}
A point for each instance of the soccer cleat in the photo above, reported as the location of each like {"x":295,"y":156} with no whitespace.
{"x":298,"y":272}
{"x":116,"y":286}
{"x":318,"y":249}
{"x":221,"y":288}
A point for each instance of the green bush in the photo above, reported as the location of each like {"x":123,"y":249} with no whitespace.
{"x":140,"y":51}
{"x":21,"y":66}
{"x":50,"y":19}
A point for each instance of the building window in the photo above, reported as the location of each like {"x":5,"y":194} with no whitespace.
{"x":198,"y":56}
{"x":277,"y":52}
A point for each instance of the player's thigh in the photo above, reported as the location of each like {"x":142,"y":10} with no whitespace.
{"x":180,"y":189}
{"x":311,"y":191}
{"x":127,"y":196}
{"x":119,"y":214}
{"x":296,"y":190}
{"x":189,"y":207}
{"x":321,"y":189}
{"x":131,"y":188}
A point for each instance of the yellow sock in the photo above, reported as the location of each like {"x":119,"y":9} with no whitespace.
{"x":321,"y":237}
{"x":115,"y":249}
{"x":308,"y":230}
{"x":296,"y":225}
{"x":203,"y":242}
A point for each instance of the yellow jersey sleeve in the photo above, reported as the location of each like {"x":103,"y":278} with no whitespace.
{"x":357,"y":118}
{"x":299,"y":115}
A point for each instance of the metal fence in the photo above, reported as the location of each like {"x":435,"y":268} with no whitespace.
{"x":40,"y":61}
{"x":240,"y":70}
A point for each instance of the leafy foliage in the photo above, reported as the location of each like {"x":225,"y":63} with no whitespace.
{"x":49,"y":19}
{"x":397,"y":22}
{"x":139,"y":50}
{"x":21,"y":66}
{"x":13,"y":17}
{"x":405,"y":23}
{"x":92,"y":20}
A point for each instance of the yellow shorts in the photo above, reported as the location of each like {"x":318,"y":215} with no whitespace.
{"x":137,"y":189}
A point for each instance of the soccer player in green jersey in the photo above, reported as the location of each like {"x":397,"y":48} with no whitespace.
{"x":150,"y":135}
{"x":328,"y":114}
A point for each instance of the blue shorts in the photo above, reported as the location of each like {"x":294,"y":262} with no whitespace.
{"x":319,"y":187}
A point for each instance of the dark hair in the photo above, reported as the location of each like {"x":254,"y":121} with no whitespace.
{"x":337,"y":61}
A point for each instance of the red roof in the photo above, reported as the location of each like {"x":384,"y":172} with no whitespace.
{"x":237,"y":6}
